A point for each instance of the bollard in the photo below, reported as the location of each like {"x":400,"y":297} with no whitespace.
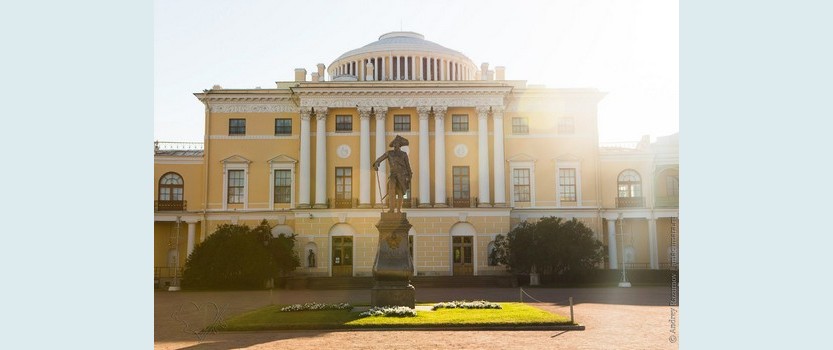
{"x":571,"y":311}
{"x":521,"y":294}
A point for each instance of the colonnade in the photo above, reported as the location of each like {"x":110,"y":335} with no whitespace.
{"x":407,"y":67}
{"x":422,"y":177}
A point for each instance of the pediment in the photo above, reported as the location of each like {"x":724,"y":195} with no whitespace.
{"x":235,"y":159}
{"x":283,"y":159}
{"x":521,"y":157}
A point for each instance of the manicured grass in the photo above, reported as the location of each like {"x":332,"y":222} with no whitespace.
{"x":512,"y":314}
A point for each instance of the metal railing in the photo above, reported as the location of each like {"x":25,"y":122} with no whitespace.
{"x":170,"y":205}
{"x":630,"y":202}
{"x":177,"y":146}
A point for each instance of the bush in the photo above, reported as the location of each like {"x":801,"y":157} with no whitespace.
{"x":389,"y":311}
{"x":481,"y":304}
{"x":552,"y":246}
{"x":237,"y":257}
{"x":316,"y":307}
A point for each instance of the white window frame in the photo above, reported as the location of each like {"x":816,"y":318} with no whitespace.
{"x":523,"y":165}
{"x":571,"y":164}
{"x":282,"y":162}
{"x":236,"y":163}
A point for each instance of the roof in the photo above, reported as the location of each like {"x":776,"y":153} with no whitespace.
{"x":402,"y":41}
{"x":178,"y":153}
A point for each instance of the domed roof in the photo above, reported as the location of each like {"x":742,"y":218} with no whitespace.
{"x":402,"y":41}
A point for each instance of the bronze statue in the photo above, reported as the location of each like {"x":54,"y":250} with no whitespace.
{"x":399,"y":180}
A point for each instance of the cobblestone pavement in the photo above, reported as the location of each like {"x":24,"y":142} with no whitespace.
{"x":615,"y":318}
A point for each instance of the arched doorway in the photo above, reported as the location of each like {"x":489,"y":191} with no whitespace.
{"x":341,"y":250}
{"x":462,"y":249}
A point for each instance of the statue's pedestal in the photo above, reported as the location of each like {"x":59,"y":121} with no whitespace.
{"x":393,"y":267}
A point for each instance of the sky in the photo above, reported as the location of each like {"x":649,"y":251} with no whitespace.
{"x":628,"y":49}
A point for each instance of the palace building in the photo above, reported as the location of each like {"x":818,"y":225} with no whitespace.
{"x":486,"y":153}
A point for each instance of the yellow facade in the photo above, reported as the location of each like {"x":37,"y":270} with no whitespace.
{"x":546,"y":140}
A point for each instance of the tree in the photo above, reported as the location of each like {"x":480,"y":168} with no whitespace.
{"x":555,"y":247}
{"x":235,"y":256}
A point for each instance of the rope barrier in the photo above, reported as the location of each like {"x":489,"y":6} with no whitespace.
{"x":569,"y":300}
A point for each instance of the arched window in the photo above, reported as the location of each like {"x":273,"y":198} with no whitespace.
{"x":630,"y":184}
{"x":171,"y":187}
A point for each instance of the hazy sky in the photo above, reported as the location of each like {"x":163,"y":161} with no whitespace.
{"x":628,"y":49}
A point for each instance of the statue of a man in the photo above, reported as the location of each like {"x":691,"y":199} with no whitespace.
{"x":399,"y":180}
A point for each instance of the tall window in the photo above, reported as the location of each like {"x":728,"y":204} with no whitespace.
{"x":235,"y":186}
{"x":283,"y":181}
{"x":401,"y":123}
{"x":630,"y":184}
{"x":521,"y":185}
{"x":567,"y":184}
{"x":171,"y":187}
{"x":459,"y":122}
{"x":237,"y":126}
{"x":520,"y":126}
{"x":344,"y":187}
{"x":344,"y":123}
{"x":461,"y":182}
{"x":566,"y":125}
{"x":672,"y":186}
{"x":283,"y":126}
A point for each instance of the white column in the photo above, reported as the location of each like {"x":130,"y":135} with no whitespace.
{"x":192,"y":231}
{"x":483,"y":155}
{"x":304,"y":176}
{"x":611,"y":243}
{"x":499,"y":163}
{"x":652,"y":243}
{"x":408,"y":75}
{"x":381,"y":148}
{"x":424,"y":165}
{"x":439,"y":157}
{"x":382,"y":67}
{"x":320,"y":157}
{"x":364,"y":157}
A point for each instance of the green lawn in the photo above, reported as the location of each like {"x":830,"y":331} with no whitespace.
{"x":512,"y":314}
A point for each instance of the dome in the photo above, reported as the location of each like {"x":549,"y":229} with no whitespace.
{"x":402,"y":41}
{"x":402,"y":56}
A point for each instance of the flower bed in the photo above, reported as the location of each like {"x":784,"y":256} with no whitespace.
{"x":481,"y":304}
{"x":389,"y":311}
{"x":316,"y":307}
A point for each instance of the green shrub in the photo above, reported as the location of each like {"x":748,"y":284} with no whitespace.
{"x":237,"y":257}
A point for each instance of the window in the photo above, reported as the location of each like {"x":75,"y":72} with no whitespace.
{"x":461,"y":182}
{"x":344,"y":187}
{"x":520,"y":126}
{"x":235,"y":186}
{"x":283,"y":181}
{"x":283,"y":126}
{"x":459,"y":122}
{"x":521,"y":184}
{"x":672,"y":186}
{"x":171,"y":187}
{"x":237,"y":127}
{"x":566,"y":126}
{"x":630,"y":184}
{"x":344,"y":123}
{"x":567,"y":182}
{"x":401,"y":123}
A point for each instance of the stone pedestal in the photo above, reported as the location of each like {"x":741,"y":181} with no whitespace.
{"x":393,"y":266}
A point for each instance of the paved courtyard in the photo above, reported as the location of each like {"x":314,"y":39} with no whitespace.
{"x":615,"y":318}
